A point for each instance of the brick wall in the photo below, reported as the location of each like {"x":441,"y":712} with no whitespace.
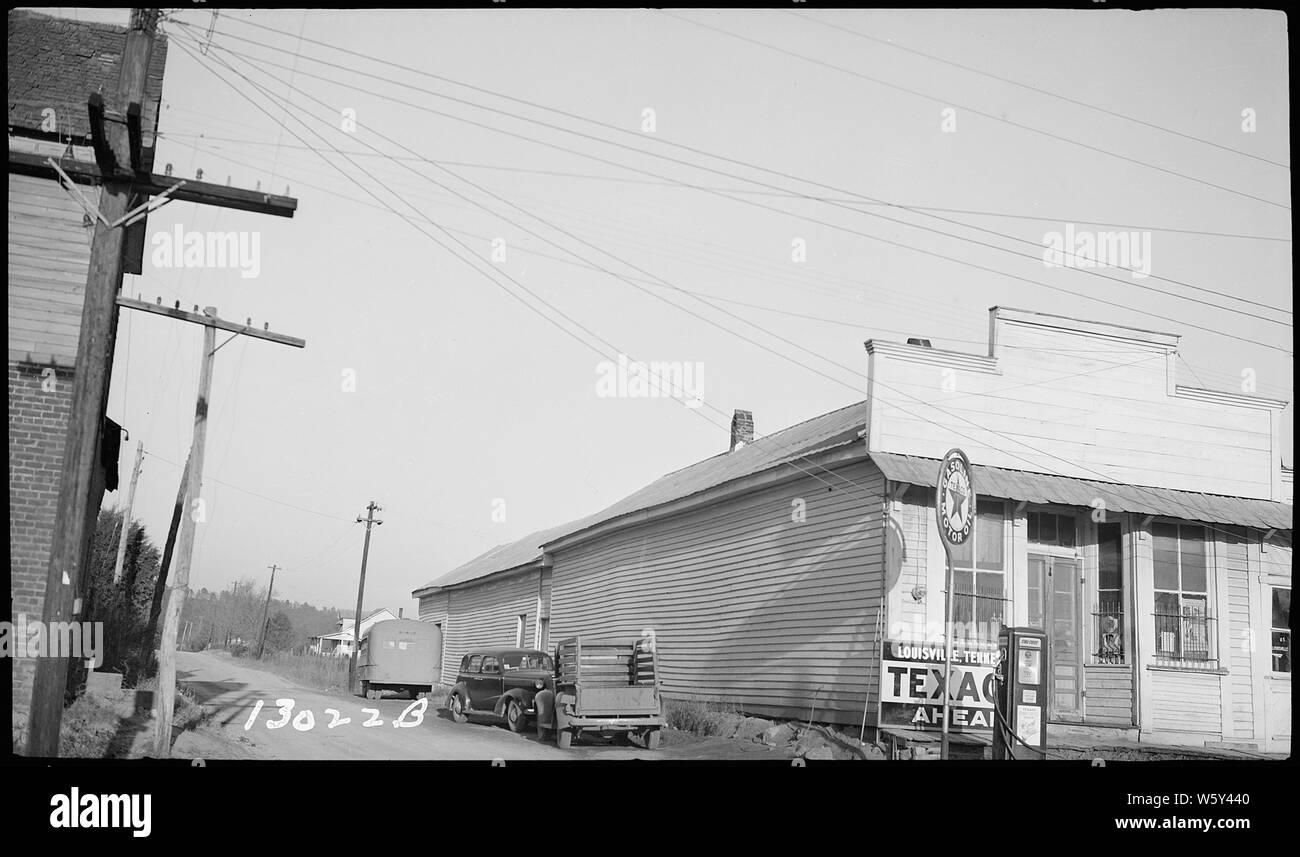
{"x":40,"y":400}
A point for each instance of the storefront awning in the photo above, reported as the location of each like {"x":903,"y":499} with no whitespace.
{"x":1067,"y":491}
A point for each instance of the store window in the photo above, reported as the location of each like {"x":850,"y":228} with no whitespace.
{"x":1049,"y":528}
{"x":979,"y":576}
{"x":1109,"y":613}
{"x":1182,"y":615}
{"x":1281,"y":626}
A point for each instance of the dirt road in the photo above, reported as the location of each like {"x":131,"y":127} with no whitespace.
{"x":366,"y":729}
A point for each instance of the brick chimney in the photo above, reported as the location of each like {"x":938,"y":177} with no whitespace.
{"x":742,"y":429}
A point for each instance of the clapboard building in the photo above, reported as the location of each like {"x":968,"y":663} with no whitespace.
{"x":1144,"y":524}
{"x":54,"y":65}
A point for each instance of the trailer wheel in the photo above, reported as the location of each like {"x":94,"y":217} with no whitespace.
{"x":415,"y":692}
{"x":652,"y":738}
{"x":564,"y":738}
{"x":365,"y":689}
{"x":456,"y":707}
{"x":515,"y":718}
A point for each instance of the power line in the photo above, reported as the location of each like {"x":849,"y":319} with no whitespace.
{"x":492,"y":276}
{"x":152,"y":454}
{"x":1082,"y":269}
{"x":1044,"y":218}
{"x":977,"y":112}
{"x":879,"y":383}
{"x":863,"y":327}
{"x":835,"y":226}
{"x":1032,"y":88}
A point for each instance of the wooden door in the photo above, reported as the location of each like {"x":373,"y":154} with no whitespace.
{"x":1055,"y":605}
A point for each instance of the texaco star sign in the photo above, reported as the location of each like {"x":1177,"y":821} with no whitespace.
{"x":955,"y":501}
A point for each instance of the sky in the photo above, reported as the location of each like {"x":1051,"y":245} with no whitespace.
{"x":473,"y":421}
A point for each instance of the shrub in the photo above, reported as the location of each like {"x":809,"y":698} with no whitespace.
{"x":698,"y":717}
{"x":239,"y":650}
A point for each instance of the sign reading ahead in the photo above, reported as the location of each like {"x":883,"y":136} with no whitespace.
{"x":911,"y":691}
{"x":954,"y":503}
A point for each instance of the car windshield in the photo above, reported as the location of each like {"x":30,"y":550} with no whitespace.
{"x":525,"y":661}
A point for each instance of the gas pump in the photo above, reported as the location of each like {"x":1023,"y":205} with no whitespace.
{"x":1021,"y":674}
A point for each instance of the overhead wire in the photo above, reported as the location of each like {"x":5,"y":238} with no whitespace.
{"x":668,"y":142}
{"x":1028,"y":86}
{"x":838,"y":227}
{"x":1014,"y":440}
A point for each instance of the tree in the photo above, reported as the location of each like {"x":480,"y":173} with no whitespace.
{"x":123,"y":607}
{"x":279,"y":633}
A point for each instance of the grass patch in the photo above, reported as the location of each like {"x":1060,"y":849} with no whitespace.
{"x":316,"y":671}
{"x":95,"y":728}
{"x":698,"y":717}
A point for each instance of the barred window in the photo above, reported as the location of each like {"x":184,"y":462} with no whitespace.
{"x":1182,"y":614}
{"x":1109,"y":612}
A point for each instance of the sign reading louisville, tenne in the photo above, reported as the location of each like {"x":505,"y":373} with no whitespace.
{"x":911,"y":694}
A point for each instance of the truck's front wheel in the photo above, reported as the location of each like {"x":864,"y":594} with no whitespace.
{"x":564,"y":738}
{"x":652,"y":739}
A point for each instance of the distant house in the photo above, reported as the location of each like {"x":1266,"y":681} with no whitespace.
{"x":339,"y":642}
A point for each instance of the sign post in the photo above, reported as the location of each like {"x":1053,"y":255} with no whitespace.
{"x":954,"y":508}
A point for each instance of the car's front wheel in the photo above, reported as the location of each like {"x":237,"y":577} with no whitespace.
{"x":456,"y":707}
{"x":515,"y":718}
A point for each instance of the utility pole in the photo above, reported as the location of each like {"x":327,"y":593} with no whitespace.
{"x":126,"y":515}
{"x":185,"y":547}
{"x":160,"y":582}
{"x":122,"y":167}
{"x":89,"y":393}
{"x":369,"y":521}
{"x":266,"y":614}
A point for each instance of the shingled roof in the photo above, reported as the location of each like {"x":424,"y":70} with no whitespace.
{"x":820,"y":433}
{"x":57,"y":63}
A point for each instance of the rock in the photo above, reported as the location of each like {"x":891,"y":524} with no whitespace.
{"x":809,"y":741}
{"x":820,"y":754}
{"x":779,"y":735}
{"x":751,"y":728}
{"x":726,"y":724}
{"x":873,"y":753}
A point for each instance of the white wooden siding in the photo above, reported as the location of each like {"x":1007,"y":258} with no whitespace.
{"x":49,"y":255}
{"x":1235,"y":564}
{"x":1091,"y":406}
{"x":747,"y":606}
{"x":908,"y":534}
{"x":1109,"y":699}
{"x":1186,"y":701}
{"x":482,"y":616}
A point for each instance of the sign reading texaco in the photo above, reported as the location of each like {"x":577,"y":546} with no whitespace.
{"x":955,"y":499}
